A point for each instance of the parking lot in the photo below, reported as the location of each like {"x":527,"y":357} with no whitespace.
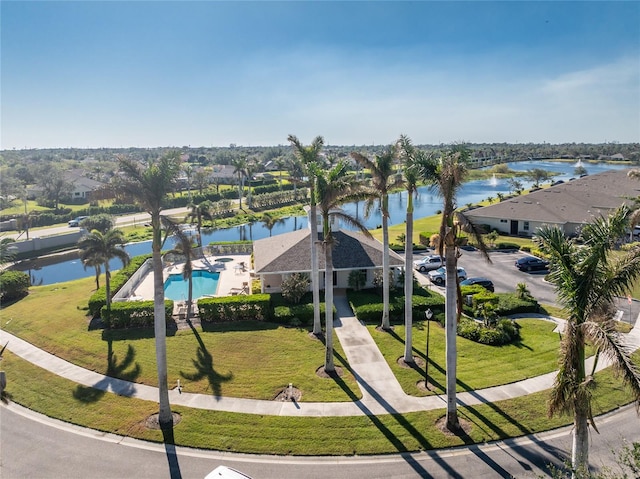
{"x":506,"y":276}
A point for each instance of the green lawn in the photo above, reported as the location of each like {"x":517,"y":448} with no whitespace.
{"x":390,"y":433}
{"x":479,"y":366}
{"x":244,"y":359}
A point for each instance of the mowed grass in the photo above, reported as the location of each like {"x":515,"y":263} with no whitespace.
{"x":479,"y":366}
{"x":245,"y":359}
{"x":56,"y":397}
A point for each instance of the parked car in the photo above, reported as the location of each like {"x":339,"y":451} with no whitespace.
{"x":76,"y":221}
{"x":484,"y":282}
{"x":438,"y":276}
{"x":531,"y":263}
{"x":432,"y":261}
{"x":224,"y":472}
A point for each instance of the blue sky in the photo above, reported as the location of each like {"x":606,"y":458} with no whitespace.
{"x":160,"y":73}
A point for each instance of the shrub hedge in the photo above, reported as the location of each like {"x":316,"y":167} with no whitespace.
{"x":367,"y":304}
{"x":235,"y":308}
{"x":13,"y":285}
{"x":133,"y":314}
{"x":99,"y":298}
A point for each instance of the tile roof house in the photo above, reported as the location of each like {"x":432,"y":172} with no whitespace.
{"x":81,"y":186}
{"x":568,"y":205}
{"x":277,"y":257}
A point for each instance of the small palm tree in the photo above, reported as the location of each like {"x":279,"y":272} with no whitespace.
{"x":97,"y":249}
{"x":183,"y":247}
{"x":198,"y":213}
{"x":334,"y":187}
{"x":270,"y":221}
{"x":150,"y":187}
{"x":240,"y":170}
{"x":309,"y":161}
{"x":383,"y":181}
{"x":587,"y":277}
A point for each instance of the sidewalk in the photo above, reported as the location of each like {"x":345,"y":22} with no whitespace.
{"x":381,"y":393}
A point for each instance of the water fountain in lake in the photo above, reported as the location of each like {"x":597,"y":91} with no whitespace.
{"x":578,"y":163}
{"x":493,"y":181}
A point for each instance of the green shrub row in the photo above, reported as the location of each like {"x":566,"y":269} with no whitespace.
{"x":505,"y":331}
{"x":13,"y":285}
{"x":134,"y":314}
{"x":235,"y":308}
{"x":367,"y":304}
{"x":118,"y":280}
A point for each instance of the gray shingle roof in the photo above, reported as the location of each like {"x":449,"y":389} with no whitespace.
{"x":291,"y":252}
{"x":576,"y":201}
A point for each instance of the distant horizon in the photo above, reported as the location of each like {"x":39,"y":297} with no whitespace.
{"x":91,"y":75}
{"x":326,"y":145}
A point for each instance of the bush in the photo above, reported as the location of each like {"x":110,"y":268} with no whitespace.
{"x":13,"y":285}
{"x":504,"y":332}
{"x":507,"y":245}
{"x":235,"y":308}
{"x":367,"y":304}
{"x":294,"y":287}
{"x":133,"y":314}
{"x":118,"y":280}
{"x":295,"y":315}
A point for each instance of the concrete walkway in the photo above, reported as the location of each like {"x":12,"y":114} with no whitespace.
{"x":381,"y":392}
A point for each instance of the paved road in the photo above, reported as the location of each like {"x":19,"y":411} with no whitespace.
{"x":36,"y":446}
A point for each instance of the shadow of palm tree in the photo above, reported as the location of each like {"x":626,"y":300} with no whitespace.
{"x":393,"y":439}
{"x":170,"y":450}
{"x":203,"y":365}
{"x":120,"y":377}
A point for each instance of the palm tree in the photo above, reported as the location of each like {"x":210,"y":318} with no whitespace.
{"x":415,"y":165}
{"x":383,"y":181}
{"x":198,"y":213}
{"x":96,"y":263}
{"x":587,"y":277}
{"x":240,"y":169}
{"x":449,"y":175}
{"x":334,"y":187}
{"x":309,"y":158}
{"x":149,"y":187}
{"x":184,"y":247}
{"x":97,"y":249}
{"x":7,"y":250}
{"x":270,"y":221}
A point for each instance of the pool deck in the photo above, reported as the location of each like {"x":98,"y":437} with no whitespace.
{"x":232,"y":275}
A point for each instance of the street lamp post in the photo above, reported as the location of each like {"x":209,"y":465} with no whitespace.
{"x":429,"y":314}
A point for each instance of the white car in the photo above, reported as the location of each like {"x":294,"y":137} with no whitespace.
{"x":224,"y":472}
{"x":438,"y":276}
{"x":432,"y":261}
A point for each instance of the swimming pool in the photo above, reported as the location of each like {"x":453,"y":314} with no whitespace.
{"x":204,"y":282}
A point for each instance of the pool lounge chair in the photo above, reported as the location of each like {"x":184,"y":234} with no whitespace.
{"x":243,"y":290}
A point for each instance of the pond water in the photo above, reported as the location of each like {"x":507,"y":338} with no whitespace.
{"x":68,"y":267}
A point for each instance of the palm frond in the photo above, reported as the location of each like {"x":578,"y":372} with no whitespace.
{"x":476,"y":232}
{"x":612,"y":346}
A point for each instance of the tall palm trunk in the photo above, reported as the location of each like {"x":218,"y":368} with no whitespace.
{"x":107,"y":284}
{"x":451,"y":320}
{"x":160,"y":325}
{"x":329,"y":366}
{"x":580,"y":444}
{"x":315,"y":271}
{"x":189,"y":297}
{"x":408,"y":285}
{"x":385,"y":263}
